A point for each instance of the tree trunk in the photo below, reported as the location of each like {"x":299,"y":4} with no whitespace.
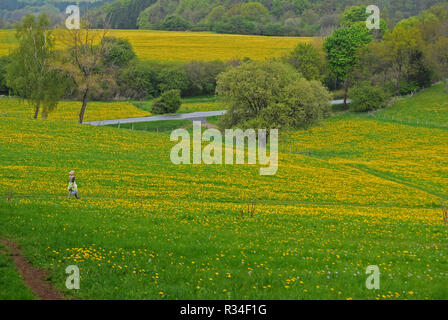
{"x":84,"y":105}
{"x":345,"y":93}
{"x":399,"y":82}
{"x":37,"y":111}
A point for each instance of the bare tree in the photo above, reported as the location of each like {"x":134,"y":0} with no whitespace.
{"x":85,"y":48}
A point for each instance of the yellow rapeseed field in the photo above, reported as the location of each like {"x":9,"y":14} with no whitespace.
{"x":69,"y":110}
{"x":187,"y":46}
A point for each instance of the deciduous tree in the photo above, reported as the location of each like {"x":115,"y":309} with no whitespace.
{"x":31,"y":73}
{"x":438,"y":54}
{"x":270,"y":94}
{"x":400,"y":44}
{"x":86,"y":48}
{"x":341,"y":49}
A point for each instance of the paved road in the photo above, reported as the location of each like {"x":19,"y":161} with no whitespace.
{"x":200,"y":116}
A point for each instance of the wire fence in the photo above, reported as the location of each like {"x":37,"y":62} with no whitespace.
{"x":407,"y":121}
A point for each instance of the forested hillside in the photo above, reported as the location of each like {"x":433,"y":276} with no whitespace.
{"x":12,"y":11}
{"x":264,"y":17}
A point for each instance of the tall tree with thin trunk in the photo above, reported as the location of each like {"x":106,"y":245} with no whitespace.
{"x":86,"y":48}
{"x":31,"y":73}
{"x":399,"y":45}
{"x":438,"y":56}
{"x":342,"y":47}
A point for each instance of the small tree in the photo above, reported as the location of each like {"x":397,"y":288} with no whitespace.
{"x":4,"y":61}
{"x":169,"y":102}
{"x":438,"y":54}
{"x":31,"y":73}
{"x":118,"y":53}
{"x":400,"y":44}
{"x":86,"y":48}
{"x":308,"y":60}
{"x":341,"y":49}
{"x":270,"y":94}
{"x":367,"y":98}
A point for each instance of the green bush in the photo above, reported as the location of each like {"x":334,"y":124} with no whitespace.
{"x":175,"y":23}
{"x":367,"y":98}
{"x":168,"y":102}
{"x":118,"y":52}
{"x":409,"y":87}
{"x":270,"y":94}
{"x":4,"y":61}
{"x":138,"y":81}
{"x":171,"y":76}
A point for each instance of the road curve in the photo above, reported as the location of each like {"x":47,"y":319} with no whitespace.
{"x":182,"y":116}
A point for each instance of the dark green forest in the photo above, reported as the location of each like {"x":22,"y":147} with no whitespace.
{"x":262,"y":17}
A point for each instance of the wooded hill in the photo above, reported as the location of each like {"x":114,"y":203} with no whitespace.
{"x":264,"y":17}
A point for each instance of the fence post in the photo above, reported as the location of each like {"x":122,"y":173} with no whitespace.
{"x":9,"y":196}
{"x":118,"y":124}
{"x":132,"y":126}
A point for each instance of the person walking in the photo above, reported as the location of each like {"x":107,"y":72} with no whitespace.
{"x":72,"y":187}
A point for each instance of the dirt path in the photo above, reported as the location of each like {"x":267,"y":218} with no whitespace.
{"x":33,"y":277}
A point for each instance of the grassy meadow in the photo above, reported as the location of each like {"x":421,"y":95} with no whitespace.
{"x":369,"y":193}
{"x":188,"y":46}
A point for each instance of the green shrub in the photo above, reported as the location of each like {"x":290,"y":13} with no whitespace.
{"x":270,"y":94}
{"x":168,"y":102}
{"x":367,"y":98}
{"x":138,"y":81}
{"x":4,"y":61}
{"x":410,"y":87}
{"x":118,"y":52}
{"x":175,"y":23}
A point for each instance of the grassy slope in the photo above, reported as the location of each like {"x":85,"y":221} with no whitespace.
{"x":145,"y":228}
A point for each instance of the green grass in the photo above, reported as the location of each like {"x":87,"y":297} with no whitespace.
{"x":214,"y":120}
{"x":11,"y":284}
{"x":427,"y":108}
{"x":368,"y":194}
{"x":193,"y":104}
{"x":303,"y":256}
{"x":163,"y":126}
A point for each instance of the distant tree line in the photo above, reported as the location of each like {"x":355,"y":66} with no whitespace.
{"x":12,"y":11}
{"x":260,"y":17}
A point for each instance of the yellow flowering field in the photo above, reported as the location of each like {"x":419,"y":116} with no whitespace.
{"x":369,"y":193}
{"x":69,"y":110}
{"x":187,"y":46}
